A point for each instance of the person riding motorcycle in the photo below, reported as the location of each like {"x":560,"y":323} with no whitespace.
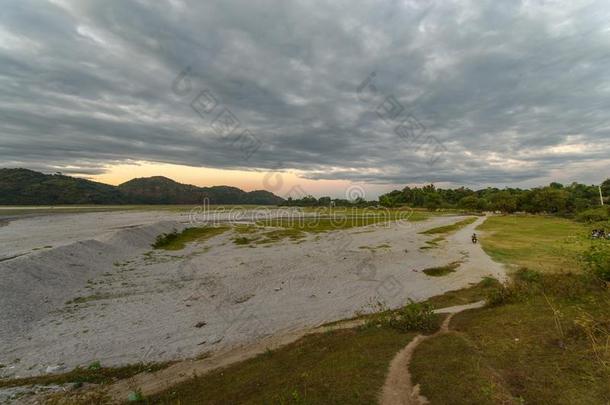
{"x":474,"y":238}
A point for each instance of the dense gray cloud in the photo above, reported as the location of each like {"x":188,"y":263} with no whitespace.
{"x":489,"y":92}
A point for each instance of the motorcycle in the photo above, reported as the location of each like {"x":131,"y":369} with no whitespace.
{"x":474,"y":239}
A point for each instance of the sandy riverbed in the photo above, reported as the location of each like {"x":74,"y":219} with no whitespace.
{"x":76,"y":288}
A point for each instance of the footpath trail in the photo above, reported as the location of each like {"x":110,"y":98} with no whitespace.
{"x":398,"y":388}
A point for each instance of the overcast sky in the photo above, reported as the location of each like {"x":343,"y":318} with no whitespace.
{"x":370,"y":92}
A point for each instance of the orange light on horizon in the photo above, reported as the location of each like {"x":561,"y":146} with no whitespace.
{"x":283,"y":184}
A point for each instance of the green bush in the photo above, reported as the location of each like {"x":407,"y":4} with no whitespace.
{"x":412,"y":317}
{"x":599,"y":214}
{"x":529,"y":276}
{"x":165,"y":239}
{"x":597,"y":260}
{"x":528,"y":283}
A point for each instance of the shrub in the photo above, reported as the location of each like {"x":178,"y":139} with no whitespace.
{"x":165,"y":239}
{"x":594,"y":215}
{"x":412,"y":317}
{"x":529,"y":276}
{"x":96,"y":365}
{"x":527,"y":283}
{"x":501,"y":295}
{"x":597,"y":260}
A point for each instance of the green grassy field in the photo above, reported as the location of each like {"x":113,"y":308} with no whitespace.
{"x":340,"y":367}
{"x":546,"y":339}
{"x":546,"y":244}
{"x":342,"y":219}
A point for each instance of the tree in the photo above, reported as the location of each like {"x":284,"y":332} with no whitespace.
{"x":470,"y":203}
{"x":387,"y":201}
{"x":432,"y":201}
{"x":550,"y":200}
{"x":324,"y":201}
{"x":504,"y":201}
{"x":606,"y":188}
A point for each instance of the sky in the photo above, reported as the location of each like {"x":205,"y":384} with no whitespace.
{"x":322,"y":97}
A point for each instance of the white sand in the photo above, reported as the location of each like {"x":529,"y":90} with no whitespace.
{"x":146,"y":307}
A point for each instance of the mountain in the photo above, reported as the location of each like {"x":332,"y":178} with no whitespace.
{"x":160,"y":190}
{"x":27,"y":187}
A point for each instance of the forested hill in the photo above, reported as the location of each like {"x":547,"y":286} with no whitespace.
{"x":27,"y":187}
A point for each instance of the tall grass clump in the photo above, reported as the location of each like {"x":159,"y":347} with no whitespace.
{"x":412,"y":317}
{"x":165,"y":239}
{"x":597,"y":261}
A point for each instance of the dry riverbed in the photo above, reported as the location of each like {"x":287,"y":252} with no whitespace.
{"x":81,"y":288}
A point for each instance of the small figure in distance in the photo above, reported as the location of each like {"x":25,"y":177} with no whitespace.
{"x":474,"y":238}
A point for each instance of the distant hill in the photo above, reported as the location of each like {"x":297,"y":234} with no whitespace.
{"x":27,"y":187}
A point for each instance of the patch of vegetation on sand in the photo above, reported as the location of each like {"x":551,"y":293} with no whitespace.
{"x":433,"y":243}
{"x":94,"y":374}
{"x":450,"y":228}
{"x":177,"y":240}
{"x":243,"y":240}
{"x":341,"y":219}
{"x":474,"y":293}
{"x":442,"y":270}
{"x":343,"y":367}
{"x":373,"y":248}
{"x":542,"y":243}
{"x":413,"y":317}
{"x":277,"y":235}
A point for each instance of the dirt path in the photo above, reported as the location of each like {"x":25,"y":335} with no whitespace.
{"x":477,"y":258}
{"x":398,"y":388}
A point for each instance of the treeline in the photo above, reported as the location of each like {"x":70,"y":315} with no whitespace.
{"x":311,"y":201}
{"x":553,"y":199}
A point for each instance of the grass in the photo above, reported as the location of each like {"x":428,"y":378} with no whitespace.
{"x":382,"y":246}
{"x":94,"y":374}
{"x":474,"y":293}
{"x":296,"y":228}
{"x":455,"y":379}
{"x":546,"y":244}
{"x":178,"y":240}
{"x":450,"y":228}
{"x":545,"y":339}
{"x":243,"y":240}
{"x":442,"y":270}
{"x":432,"y":243}
{"x":340,"y":367}
{"x":343,"y":219}
{"x":536,"y":349}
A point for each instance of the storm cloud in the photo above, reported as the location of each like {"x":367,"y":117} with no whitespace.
{"x":463,"y":92}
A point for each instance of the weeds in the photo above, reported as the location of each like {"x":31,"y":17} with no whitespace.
{"x":412,"y":317}
{"x":442,"y":270}
{"x":177,"y":240}
{"x":597,"y":260}
{"x":597,"y":332}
